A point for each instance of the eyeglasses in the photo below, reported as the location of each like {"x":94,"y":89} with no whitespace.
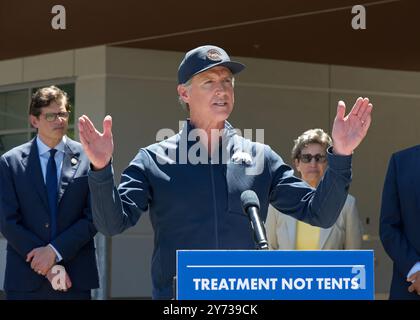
{"x":307,"y":158}
{"x":52,"y":116}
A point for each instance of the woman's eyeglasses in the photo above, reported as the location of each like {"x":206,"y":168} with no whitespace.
{"x":307,"y":157}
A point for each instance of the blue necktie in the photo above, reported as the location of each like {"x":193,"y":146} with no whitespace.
{"x":51,"y":182}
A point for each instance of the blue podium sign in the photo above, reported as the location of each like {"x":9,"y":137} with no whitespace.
{"x":265,"y":275}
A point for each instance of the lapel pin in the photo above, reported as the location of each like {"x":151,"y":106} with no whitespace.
{"x":242,"y":157}
{"x":73,"y":161}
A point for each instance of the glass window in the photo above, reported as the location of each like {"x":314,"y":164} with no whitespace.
{"x":13,"y":110}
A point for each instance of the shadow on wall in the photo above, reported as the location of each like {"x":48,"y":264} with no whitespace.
{"x":383,"y":266}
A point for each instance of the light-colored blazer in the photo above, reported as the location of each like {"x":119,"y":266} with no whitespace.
{"x":346,"y":233}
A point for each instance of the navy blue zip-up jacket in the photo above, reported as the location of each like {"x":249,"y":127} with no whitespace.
{"x":197,"y":205}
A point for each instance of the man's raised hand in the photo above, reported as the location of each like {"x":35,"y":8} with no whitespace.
{"x":98,"y":146}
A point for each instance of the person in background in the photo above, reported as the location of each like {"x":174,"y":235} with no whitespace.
{"x":45,"y":212}
{"x":309,"y":155}
{"x":399,"y":226}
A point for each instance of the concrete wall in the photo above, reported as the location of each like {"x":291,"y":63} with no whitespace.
{"x":138,"y":88}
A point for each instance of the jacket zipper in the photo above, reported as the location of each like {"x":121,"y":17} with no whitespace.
{"x":214,"y":206}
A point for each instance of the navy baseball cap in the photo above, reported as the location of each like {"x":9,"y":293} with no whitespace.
{"x":203,"y":58}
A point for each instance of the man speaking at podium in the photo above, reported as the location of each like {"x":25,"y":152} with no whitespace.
{"x":191,"y":183}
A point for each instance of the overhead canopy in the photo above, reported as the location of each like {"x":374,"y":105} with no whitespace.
{"x":317,"y":31}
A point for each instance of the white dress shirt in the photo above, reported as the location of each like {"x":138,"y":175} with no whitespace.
{"x":413,"y":270}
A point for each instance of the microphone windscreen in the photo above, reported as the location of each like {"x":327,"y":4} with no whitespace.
{"x":249,"y":198}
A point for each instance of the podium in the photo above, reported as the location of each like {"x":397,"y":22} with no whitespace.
{"x":275,"y":275}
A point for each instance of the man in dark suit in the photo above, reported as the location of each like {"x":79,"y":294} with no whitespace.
{"x":400,"y":223}
{"x":45,"y":209}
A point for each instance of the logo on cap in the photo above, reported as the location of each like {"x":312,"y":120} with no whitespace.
{"x":214,"y":55}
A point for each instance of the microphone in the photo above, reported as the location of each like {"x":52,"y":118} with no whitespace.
{"x":251,"y":206}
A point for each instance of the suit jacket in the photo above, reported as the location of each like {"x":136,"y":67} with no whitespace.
{"x":346,"y":233}
{"x":25,"y":217}
{"x":400,"y":218}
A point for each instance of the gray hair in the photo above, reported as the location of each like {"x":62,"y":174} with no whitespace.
{"x":317,"y":136}
{"x":184,"y":105}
